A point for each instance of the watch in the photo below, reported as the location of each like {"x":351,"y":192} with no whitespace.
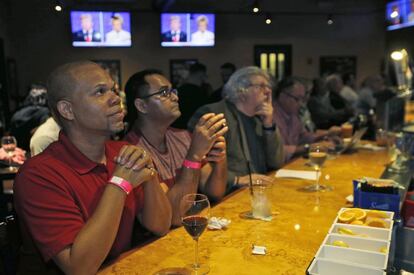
{"x":271,"y":128}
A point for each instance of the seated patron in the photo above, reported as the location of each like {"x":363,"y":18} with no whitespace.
{"x":254,"y":144}
{"x":289,"y":96}
{"x":324,"y":115}
{"x":177,"y":155}
{"x":79,"y":198}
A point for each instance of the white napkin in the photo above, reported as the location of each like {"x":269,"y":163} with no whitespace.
{"x":369,"y":146}
{"x":296,"y":174}
{"x":217,"y":223}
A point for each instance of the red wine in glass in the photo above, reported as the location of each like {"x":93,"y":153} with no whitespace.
{"x":195,"y":225}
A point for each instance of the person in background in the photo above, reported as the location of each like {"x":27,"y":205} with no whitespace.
{"x":370,"y":88}
{"x":193,"y":94}
{"x":33,"y":113}
{"x":289,"y":96}
{"x":226,"y":70}
{"x":324,"y":115}
{"x":348,"y":89}
{"x":202,"y":36}
{"x":254,"y":144}
{"x":186,"y":163}
{"x":118,"y":35}
{"x":87,"y":33}
{"x":45,"y":134}
{"x":79,"y":198}
{"x":175,"y":34}
{"x":335,"y":85}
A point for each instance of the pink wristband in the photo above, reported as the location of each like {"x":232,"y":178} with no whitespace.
{"x":191,"y":164}
{"x":121,"y":183}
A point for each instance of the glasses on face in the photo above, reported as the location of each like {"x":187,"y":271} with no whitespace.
{"x":261,"y":86}
{"x":297,"y":99}
{"x":163,"y":92}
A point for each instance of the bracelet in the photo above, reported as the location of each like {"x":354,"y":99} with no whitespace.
{"x":272,"y":128}
{"x":126,"y":186}
{"x":191,"y":164}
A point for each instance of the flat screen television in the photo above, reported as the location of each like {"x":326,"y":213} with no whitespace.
{"x":100,"y":29}
{"x":187,"y":29}
{"x":399,"y":14}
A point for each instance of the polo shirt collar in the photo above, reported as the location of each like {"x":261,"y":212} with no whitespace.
{"x":75,"y":158}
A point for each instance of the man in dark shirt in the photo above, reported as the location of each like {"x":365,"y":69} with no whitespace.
{"x":192,"y":94}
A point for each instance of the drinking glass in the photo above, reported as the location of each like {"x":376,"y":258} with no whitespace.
{"x":9,"y":143}
{"x":261,"y":204}
{"x":317,"y":156}
{"x":195,"y":212}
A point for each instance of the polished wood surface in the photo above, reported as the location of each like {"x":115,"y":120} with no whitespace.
{"x":291,"y":238}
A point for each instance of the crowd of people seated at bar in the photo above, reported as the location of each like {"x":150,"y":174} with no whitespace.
{"x":82,"y":194}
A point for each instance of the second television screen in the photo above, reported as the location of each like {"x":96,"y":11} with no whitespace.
{"x":187,"y":29}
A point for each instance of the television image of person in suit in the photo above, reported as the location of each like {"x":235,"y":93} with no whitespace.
{"x":87,"y":33}
{"x":175,"y":34}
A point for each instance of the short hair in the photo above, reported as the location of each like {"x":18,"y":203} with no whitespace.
{"x":228,"y":65}
{"x":117,"y":16}
{"x":136,"y":86}
{"x":240,"y":81}
{"x":175,"y":17}
{"x":286,"y":85}
{"x":61,"y":84}
{"x":86,"y":16}
{"x":197,"y":68}
{"x":202,"y":18}
{"x":332,"y":80}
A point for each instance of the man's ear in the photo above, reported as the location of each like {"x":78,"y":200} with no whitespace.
{"x":64,"y":108}
{"x":140,"y":105}
{"x":242,"y":94}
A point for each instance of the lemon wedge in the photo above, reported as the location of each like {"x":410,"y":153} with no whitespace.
{"x":357,"y":222}
{"x":340,"y":243}
{"x":383,"y":249}
{"x":376,"y":222}
{"x":345,"y":231}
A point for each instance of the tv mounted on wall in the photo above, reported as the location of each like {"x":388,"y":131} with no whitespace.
{"x":187,"y":29}
{"x":400,"y":14}
{"x":100,"y":29}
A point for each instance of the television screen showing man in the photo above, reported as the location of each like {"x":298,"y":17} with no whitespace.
{"x":86,"y":32}
{"x":175,"y":32}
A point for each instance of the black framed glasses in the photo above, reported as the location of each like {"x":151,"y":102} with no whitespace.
{"x":164,"y":92}
{"x":296,"y":98}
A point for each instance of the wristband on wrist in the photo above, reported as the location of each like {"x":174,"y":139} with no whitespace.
{"x":272,"y":128}
{"x":122,"y":184}
{"x":192,"y":164}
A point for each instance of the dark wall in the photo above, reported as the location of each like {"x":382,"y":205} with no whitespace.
{"x":41,"y":41}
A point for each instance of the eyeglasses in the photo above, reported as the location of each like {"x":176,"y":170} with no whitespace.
{"x":164,"y":92}
{"x":261,"y":86}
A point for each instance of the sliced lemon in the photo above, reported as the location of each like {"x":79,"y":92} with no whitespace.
{"x":377,"y":214}
{"x":383,"y":249}
{"x":340,"y":243}
{"x":357,"y":222}
{"x":345,"y":231}
{"x":346,"y":216}
{"x":360,"y":214}
{"x":376,"y":222}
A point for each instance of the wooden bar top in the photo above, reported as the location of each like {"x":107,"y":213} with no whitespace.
{"x":292,"y":238}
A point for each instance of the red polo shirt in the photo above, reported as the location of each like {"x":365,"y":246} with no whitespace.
{"x":57,"y":191}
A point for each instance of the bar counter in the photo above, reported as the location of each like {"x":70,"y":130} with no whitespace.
{"x":292,"y":238}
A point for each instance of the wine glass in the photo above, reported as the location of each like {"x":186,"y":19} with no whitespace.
{"x":195,"y":212}
{"x":9,"y":143}
{"x":317,"y":156}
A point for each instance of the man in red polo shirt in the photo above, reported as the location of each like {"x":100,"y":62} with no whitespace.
{"x":79,"y":198}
